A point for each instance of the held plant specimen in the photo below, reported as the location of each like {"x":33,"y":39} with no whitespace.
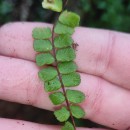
{"x":55,"y":49}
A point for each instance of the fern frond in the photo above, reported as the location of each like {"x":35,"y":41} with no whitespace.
{"x":59,"y":52}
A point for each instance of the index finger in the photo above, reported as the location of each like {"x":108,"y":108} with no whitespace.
{"x":100,"y":52}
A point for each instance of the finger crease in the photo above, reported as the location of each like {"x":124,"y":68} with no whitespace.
{"x":104,"y":58}
{"x":97,"y":98}
{"x":33,"y":91}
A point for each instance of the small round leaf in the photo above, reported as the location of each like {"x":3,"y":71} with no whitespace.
{"x":57,"y":98}
{"x":75,"y":96}
{"x":66,"y":54}
{"x":44,"y":59}
{"x":42,"y":45}
{"x":47,"y":74}
{"x":55,"y":5}
{"x":71,"y":80}
{"x":63,"y":29}
{"x":41,"y":33}
{"x":67,"y":67}
{"x":67,"y":126}
{"x":69,"y":18}
{"x":62,"y":115}
{"x":63,"y":41}
{"x":77,"y":112}
{"x":52,"y":85}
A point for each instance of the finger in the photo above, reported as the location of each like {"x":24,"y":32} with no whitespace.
{"x":7,"y":124}
{"x":16,"y":43}
{"x":102,"y":53}
{"x":105,"y":103}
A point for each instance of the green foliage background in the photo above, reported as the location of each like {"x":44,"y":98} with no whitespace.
{"x":110,"y":14}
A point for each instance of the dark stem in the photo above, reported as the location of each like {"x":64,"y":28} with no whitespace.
{"x":59,"y":75}
{"x":60,"y":78}
{"x":65,"y":3}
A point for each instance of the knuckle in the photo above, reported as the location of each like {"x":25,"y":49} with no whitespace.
{"x":96,"y":98}
{"x":104,"y":57}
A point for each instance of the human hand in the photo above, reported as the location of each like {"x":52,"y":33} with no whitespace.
{"x":103,"y":58}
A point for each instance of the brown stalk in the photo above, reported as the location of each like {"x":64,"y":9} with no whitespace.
{"x":59,"y":75}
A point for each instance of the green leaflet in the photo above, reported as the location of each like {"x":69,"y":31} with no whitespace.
{"x":62,"y":115}
{"x":68,"y":126}
{"x":52,"y":85}
{"x":41,"y":33}
{"x":66,"y":54}
{"x":67,"y":67}
{"x":57,"y":98}
{"x":77,"y":112}
{"x":69,"y":18}
{"x":75,"y":96}
{"x":47,"y":74}
{"x":44,"y":59}
{"x":42,"y":45}
{"x":71,"y":80}
{"x":63,"y":41}
{"x":55,"y":5}
{"x":63,"y":29}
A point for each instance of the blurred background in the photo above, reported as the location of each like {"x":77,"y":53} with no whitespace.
{"x":109,"y":14}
